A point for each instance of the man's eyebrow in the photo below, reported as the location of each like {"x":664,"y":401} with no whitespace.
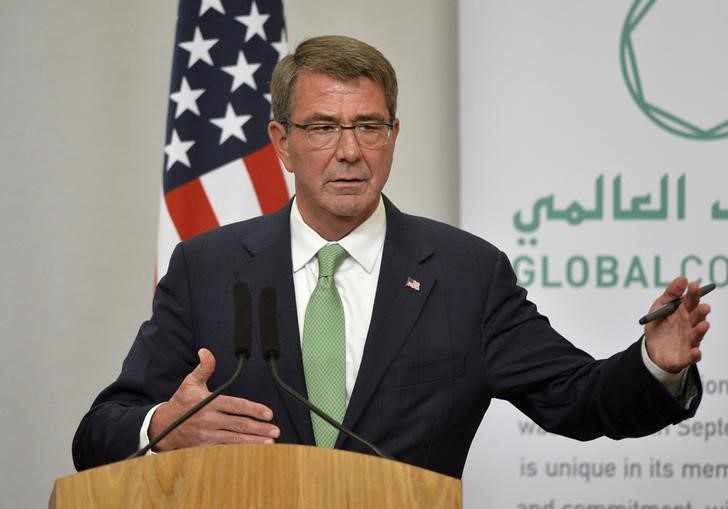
{"x":320,"y":117}
{"x":372,"y":117}
{"x":330,"y":119}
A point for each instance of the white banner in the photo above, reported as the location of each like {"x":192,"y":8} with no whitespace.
{"x":594,"y":143}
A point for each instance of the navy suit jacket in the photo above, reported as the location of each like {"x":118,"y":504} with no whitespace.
{"x":433,"y":360}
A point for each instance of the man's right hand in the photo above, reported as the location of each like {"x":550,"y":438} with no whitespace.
{"x":226,"y":420}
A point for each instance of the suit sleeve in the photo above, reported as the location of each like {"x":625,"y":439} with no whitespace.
{"x":559,"y":386}
{"x":162,"y":354}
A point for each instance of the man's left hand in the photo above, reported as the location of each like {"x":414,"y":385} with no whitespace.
{"x":673,"y":342}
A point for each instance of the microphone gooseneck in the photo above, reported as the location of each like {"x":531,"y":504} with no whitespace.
{"x":270,"y":345}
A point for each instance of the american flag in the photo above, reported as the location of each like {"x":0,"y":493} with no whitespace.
{"x":219,"y":164}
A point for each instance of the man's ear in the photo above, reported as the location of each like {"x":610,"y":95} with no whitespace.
{"x":395,"y":129}
{"x":278,"y":135}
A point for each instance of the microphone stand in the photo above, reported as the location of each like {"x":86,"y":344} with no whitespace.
{"x":272,"y":363}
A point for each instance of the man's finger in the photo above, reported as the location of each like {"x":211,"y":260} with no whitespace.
{"x":241,"y":406}
{"x":674,"y":290}
{"x":231,"y":437}
{"x":699,"y":314}
{"x":692,"y":298}
{"x":244,"y":425}
{"x":204,"y":370}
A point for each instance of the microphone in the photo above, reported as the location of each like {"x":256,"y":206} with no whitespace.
{"x":270,"y":345}
{"x":243,"y":342}
{"x":243,"y":320}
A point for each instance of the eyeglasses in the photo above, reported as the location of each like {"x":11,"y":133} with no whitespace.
{"x":322,"y":135}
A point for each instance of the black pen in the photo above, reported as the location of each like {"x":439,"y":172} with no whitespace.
{"x":671,"y":306}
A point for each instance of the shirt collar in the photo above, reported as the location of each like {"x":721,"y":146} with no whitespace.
{"x":363,"y":244}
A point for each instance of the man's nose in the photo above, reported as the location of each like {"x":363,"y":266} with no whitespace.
{"x":348,"y":147}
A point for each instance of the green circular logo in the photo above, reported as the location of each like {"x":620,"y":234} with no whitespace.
{"x":660,"y":115}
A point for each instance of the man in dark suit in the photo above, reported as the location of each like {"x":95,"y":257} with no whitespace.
{"x":435,"y":325}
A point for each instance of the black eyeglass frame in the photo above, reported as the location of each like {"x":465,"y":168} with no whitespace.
{"x":356,"y":128}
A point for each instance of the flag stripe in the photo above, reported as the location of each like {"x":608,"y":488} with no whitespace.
{"x":167,"y":239}
{"x":190,"y":209}
{"x":267,"y":177}
{"x":230,"y":192}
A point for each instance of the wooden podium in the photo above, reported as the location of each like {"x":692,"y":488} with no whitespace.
{"x":257,"y":476}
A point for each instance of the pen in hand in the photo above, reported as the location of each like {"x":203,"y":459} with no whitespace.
{"x":671,"y":306}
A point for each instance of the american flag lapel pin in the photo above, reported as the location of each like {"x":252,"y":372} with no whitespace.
{"x":412,"y":283}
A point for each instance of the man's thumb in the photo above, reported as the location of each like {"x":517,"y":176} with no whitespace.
{"x":205,"y":368}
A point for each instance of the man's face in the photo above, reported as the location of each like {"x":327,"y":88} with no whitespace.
{"x":337,"y":188}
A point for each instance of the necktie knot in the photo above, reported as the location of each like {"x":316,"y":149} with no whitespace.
{"x":329,"y":258}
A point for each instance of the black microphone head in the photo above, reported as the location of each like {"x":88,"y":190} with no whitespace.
{"x":269,"y":324}
{"x":243,"y":319}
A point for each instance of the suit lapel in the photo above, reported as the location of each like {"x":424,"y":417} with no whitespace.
{"x":396,"y":308}
{"x":269,"y":264}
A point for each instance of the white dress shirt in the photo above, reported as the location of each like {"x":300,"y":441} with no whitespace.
{"x":356,"y":278}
